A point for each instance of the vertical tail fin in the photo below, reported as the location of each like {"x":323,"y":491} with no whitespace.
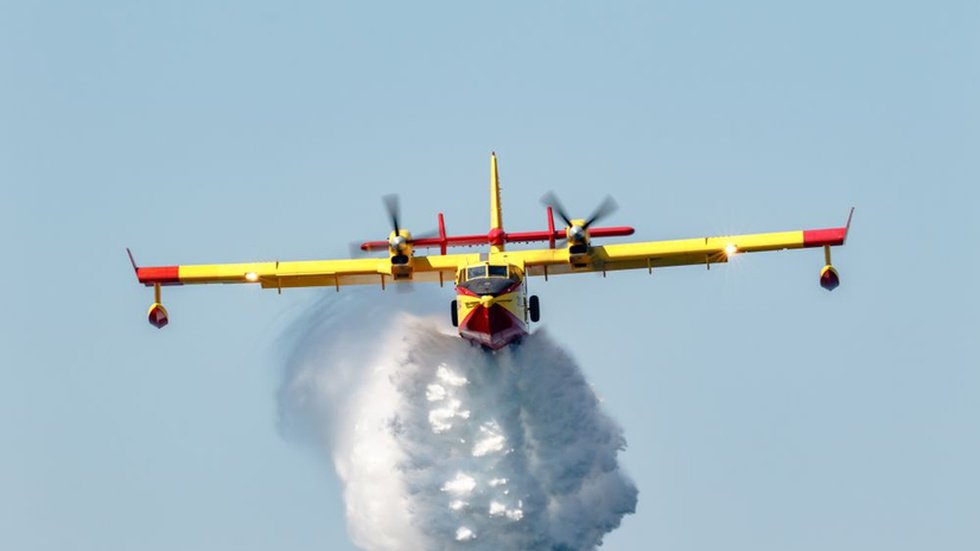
{"x":496,"y":222}
{"x":496,"y":219}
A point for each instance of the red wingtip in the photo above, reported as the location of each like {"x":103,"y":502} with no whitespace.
{"x":164,"y":275}
{"x":832,"y":237}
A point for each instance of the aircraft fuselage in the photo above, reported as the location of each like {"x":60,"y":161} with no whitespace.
{"x":491,"y":304}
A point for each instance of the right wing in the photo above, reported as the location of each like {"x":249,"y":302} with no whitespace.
{"x":679,"y":252}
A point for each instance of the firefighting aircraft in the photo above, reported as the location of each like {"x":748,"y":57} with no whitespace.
{"x":492,"y":306}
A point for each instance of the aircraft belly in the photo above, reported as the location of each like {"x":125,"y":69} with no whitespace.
{"x":494,"y":326}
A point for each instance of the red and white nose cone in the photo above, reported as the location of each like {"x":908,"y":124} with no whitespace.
{"x":157,"y":316}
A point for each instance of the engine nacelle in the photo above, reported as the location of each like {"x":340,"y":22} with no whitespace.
{"x":400,"y":254}
{"x":157,"y":315}
{"x":577,"y":237}
{"x":829,"y":278}
{"x":401,"y":263}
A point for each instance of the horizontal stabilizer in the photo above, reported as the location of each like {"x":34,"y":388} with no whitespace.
{"x":443,"y":242}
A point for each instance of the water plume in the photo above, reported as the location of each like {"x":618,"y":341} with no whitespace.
{"x":441,"y":445}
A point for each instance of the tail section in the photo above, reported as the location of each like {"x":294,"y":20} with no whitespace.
{"x":496,"y":219}
{"x":497,"y":238}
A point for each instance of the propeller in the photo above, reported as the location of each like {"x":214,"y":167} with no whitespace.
{"x":393,"y":208}
{"x":605,"y":208}
{"x":551,"y":200}
{"x":397,"y":241}
{"x":392,"y":205}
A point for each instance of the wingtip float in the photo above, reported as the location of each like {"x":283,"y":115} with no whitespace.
{"x":492,"y":305}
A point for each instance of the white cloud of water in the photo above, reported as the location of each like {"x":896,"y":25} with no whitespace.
{"x":441,"y":445}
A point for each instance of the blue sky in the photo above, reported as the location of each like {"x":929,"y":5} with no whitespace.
{"x":761,"y":412}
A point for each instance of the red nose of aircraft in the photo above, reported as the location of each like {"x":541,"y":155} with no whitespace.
{"x":492,"y":320}
{"x":492,"y":326}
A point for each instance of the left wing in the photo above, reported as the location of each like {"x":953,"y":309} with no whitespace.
{"x":680,"y":252}
{"x":305,"y":273}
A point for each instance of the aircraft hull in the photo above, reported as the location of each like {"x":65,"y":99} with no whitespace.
{"x":492,"y":326}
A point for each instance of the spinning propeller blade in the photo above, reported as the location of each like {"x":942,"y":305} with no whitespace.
{"x":550,"y":199}
{"x":605,"y":208}
{"x":393,"y":209}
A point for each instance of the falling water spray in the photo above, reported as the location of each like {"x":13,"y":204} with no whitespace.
{"x":442,"y":445}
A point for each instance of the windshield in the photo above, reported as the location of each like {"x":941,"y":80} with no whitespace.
{"x":490,"y":280}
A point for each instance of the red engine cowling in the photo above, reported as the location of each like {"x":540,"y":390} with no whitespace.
{"x":157,"y":315}
{"x":829,"y":279}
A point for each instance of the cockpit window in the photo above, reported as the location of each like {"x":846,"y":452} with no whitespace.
{"x":483,"y":280}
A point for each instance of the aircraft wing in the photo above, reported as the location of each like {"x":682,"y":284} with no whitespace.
{"x":304,"y":273}
{"x":679,"y":252}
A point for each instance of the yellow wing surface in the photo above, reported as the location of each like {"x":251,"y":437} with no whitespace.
{"x":679,"y":252}
{"x":305,"y":273}
{"x":535,"y":262}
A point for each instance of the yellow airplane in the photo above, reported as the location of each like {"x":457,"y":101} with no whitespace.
{"x":492,"y":306}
